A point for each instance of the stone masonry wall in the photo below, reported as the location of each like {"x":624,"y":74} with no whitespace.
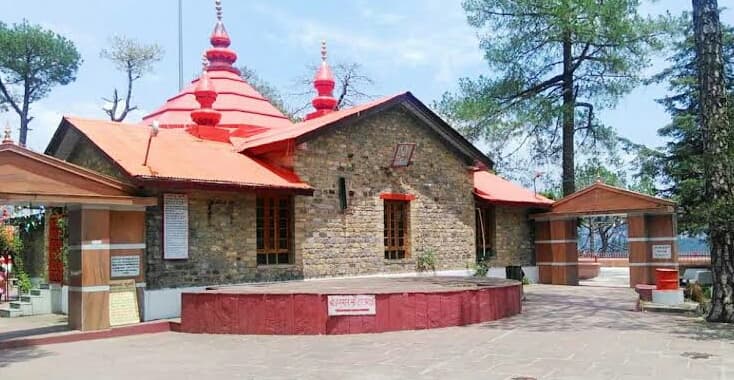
{"x":514,"y":241}
{"x":222,"y":237}
{"x":87,"y":155}
{"x":333,"y":242}
{"x":222,"y":245}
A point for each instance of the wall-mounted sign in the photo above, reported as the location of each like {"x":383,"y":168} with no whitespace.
{"x":403,"y":155}
{"x":124,"y":266}
{"x":123,"y":303}
{"x":662,"y":251}
{"x":360,"y":304}
{"x":175,"y":226}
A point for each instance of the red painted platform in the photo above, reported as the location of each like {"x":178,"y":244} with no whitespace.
{"x":300,"y":307}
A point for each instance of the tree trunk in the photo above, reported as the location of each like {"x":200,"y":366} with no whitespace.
{"x":23,"y":130}
{"x":718,"y":160}
{"x":568,"y":176}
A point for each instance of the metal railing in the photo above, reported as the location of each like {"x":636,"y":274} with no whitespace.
{"x":624,"y":255}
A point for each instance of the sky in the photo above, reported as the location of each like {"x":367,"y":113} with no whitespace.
{"x":423,"y":46}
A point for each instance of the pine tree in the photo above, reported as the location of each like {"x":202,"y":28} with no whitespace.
{"x":553,"y":64}
{"x":718,"y":156}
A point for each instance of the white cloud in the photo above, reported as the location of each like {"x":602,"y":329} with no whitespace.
{"x":436,"y":44}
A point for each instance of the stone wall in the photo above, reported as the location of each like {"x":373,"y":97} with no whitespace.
{"x":333,"y":242}
{"x":34,"y":251}
{"x":514,"y":241}
{"x":222,"y":245}
{"x":87,"y":155}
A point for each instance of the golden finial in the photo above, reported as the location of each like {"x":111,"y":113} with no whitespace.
{"x":323,"y":50}
{"x":7,"y":138}
{"x":218,"y":6}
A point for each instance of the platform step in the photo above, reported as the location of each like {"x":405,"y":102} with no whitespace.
{"x":41,"y":292}
{"x":26,"y":308}
{"x":10,"y":313}
{"x":41,"y":305}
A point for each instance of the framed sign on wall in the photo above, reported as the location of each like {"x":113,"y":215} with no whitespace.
{"x":403,"y":155}
{"x":175,"y":226}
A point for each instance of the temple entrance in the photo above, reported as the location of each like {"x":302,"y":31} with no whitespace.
{"x":603,"y":251}
{"x":103,"y":220}
{"x":651,"y":233}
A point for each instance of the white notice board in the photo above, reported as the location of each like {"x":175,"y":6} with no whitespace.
{"x":662,"y":252}
{"x":175,"y":226}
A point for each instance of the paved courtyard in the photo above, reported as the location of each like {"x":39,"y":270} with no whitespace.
{"x":564,"y":333}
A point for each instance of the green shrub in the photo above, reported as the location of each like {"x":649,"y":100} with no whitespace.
{"x":426,"y":261}
{"x":482,"y":265}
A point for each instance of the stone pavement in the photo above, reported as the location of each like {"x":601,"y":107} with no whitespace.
{"x":31,"y":326}
{"x":564,"y":333}
{"x":610,"y":277}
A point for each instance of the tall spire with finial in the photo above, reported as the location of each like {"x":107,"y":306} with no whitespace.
{"x":205,"y":95}
{"x":324,"y":83}
{"x":220,"y":56}
{"x":8,"y":137}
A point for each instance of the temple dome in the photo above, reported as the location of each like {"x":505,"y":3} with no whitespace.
{"x":243,"y":109}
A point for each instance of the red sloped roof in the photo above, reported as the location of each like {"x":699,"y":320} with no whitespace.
{"x":304,"y":127}
{"x":175,"y":155}
{"x":497,"y":190}
{"x":240,"y":104}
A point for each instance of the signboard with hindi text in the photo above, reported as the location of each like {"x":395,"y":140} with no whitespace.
{"x":403,"y":155}
{"x":123,"y":303}
{"x":124,"y":266}
{"x":662,"y":251}
{"x":361,"y":304}
{"x":175,"y":226}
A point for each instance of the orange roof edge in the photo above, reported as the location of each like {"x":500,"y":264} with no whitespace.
{"x":250,"y":173}
{"x":499,"y":191}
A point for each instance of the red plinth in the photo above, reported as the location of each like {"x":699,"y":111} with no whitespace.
{"x":666,"y":279}
{"x":280,"y":311}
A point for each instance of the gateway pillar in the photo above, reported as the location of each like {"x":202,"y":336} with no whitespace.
{"x":89,"y":263}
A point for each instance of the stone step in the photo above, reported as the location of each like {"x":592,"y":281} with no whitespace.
{"x":41,"y":305}
{"x":10,"y":313}
{"x":26,"y":308}
{"x":44,"y":286}
{"x":41,"y":292}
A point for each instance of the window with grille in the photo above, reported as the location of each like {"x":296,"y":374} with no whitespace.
{"x":274,"y":230}
{"x":397,"y":229}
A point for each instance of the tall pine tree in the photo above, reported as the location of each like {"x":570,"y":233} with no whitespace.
{"x":553,"y":64}
{"x":718,"y":155}
{"x":680,"y":165}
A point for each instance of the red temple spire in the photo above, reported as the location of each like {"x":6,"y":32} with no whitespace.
{"x":205,"y":95}
{"x":220,"y":56}
{"x":324,"y":83}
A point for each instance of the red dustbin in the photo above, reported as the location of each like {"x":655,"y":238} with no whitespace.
{"x":666,"y":279}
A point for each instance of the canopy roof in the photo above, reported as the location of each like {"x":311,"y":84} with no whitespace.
{"x":601,"y":198}
{"x":496,"y":190}
{"x":39,"y":179}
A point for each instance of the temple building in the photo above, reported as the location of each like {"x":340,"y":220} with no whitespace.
{"x":237,"y":192}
